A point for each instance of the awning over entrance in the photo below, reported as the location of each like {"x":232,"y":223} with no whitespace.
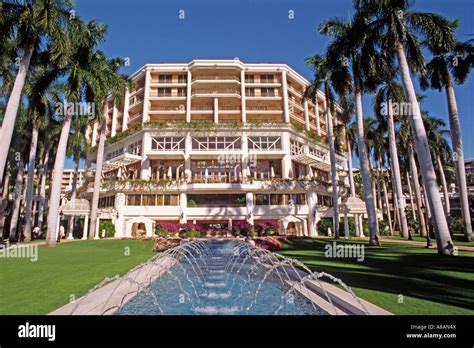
{"x":76,"y":207}
{"x":123,"y":160}
{"x":311,"y":160}
{"x":300,"y":224}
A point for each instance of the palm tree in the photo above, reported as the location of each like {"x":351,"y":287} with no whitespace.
{"x":107,"y":81}
{"x":323,"y":77}
{"x":387,"y":93}
{"x":345,"y":132}
{"x":446,"y":67}
{"x":396,"y":28}
{"x":77,"y":149}
{"x":84,"y":38}
{"x":351,"y":57}
{"x":40,"y":108}
{"x":29,"y":23}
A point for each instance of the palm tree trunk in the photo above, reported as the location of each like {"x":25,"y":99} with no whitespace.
{"x":412,"y":204}
{"x":364,"y":166}
{"x":458,"y":151}
{"x":349,"y":165}
{"x":77,"y":161}
{"x":42,"y":195}
{"x":447,"y":207}
{"x":11,"y":110}
{"x":387,"y":205}
{"x":416,"y":184}
{"x":332,"y":157}
{"x":4,"y":203}
{"x":29,"y":183}
{"x":97,"y":180}
{"x":55,"y":191}
{"x":443,"y":238}
{"x":16,"y":203}
{"x":396,"y":176}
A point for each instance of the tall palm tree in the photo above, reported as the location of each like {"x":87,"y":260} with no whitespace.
{"x":397,"y":27}
{"x":351,"y":56}
{"x":77,"y":149}
{"x":107,"y":81}
{"x":85,"y":37}
{"x":323,"y":78}
{"x":40,"y":108}
{"x":30,"y":22}
{"x":446,"y":68}
{"x":386,"y":94}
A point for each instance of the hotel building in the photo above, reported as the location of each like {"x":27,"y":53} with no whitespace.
{"x":215,"y":141}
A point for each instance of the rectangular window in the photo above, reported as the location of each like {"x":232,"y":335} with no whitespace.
{"x":216,"y":143}
{"x":267,"y":92}
{"x":159,"y":200}
{"x":165,"y":78}
{"x":274,"y":199}
{"x":182,"y":78}
{"x":168,"y":143}
{"x":266,"y":79}
{"x":249,"y":78}
{"x":149,"y":200}
{"x":264,"y":143}
{"x":133,"y":199}
{"x":164,"y":92}
{"x":181,"y":92}
{"x":250,"y":92}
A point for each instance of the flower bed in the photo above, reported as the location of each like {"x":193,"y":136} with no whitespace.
{"x":268,"y":243}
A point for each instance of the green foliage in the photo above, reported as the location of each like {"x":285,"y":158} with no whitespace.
{"x":323,"y":226}
{"x":190,"y":234}
{"x":109,"y":228}
{"x":192,"y":203}
{"x":163,"y":232}
{"x":383,"y":228}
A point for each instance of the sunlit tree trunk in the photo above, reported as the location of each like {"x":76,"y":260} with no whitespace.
{"x":443,"y":238}
{"x":42,"y":194}
{"x":29,"y":183}
{"x":447,"y":207}
{"x":17,"y":202}
{"x":412,"y":204}
{"x":332,"y":156}
{"x":458,"y":152}
{"x":396,"y":176}
{"x":364,"y":166}
{"x":349,"y":165}
{"x":416,"y":185}
{"x":97,"y":180}
{"x":8,"y":124}
{"x":77,"y":162}
{"x":55,"y":191}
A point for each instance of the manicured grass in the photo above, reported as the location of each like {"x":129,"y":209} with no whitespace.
{"x":430,"y":284}
{"x":458,"y":240}
{"x":70,"y":269}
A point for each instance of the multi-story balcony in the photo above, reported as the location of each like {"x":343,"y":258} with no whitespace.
{"x":216,"y":93}
{"x":229,"y":79}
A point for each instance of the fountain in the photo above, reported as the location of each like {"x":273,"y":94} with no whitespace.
{"x":220,"y":277}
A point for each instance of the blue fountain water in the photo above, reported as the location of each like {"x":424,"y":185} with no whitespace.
{"x":226,"y":284}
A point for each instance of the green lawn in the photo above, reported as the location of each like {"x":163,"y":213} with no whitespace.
{"x":68,"y":269}
{"x":458,"y":240}
{"x":430,"y":284}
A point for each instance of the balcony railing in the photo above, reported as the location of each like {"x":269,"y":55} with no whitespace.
{"x":216,"y":78}
{"x":168,"y":108}
{"x":216,"y":91}
{"x":229,"y":108}
{"x":202,"y":108}
{"x":167,"y":95}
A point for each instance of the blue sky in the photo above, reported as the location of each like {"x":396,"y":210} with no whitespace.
{"x":150,"y":31}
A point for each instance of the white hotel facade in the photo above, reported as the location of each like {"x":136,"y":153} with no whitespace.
{"x":215,"y":141}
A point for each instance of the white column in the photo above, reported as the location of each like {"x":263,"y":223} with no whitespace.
{"x":96,"y":236}
{"x":126,"y":104}
{"x":120,"y":200}
{"x":316,"y":113}
{"x":114,"y":120}
{"x":94,"y":134}
{"x":188,"y":97}
{"x":245,"y":156}
{"x":69,"y":235}
{"x":183,"y":203}
{"x":242,"y":94}
{"x":216,"y":110}
{"x":284,"y":90}
{"x":249,"y":199}
{"x":86,"y":227}
{"x":286,"y":161}
{"x":346,"y":225}
{"x":146,"y":98}
{"x":306,"y":114}
{"x":187,"y":158}
{"x":311,"y":199}
{"x":145,"y":163}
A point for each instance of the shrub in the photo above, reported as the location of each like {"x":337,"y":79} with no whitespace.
{"x":109,"y":228}
{"x":189,"y":234}
{"x":242,"y":228}
{"x":266,"y":228}
{"x":383,"y":228}
{"x":166,"y":229}
{"x":268,"y":243}
{"x":323,"y":226}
